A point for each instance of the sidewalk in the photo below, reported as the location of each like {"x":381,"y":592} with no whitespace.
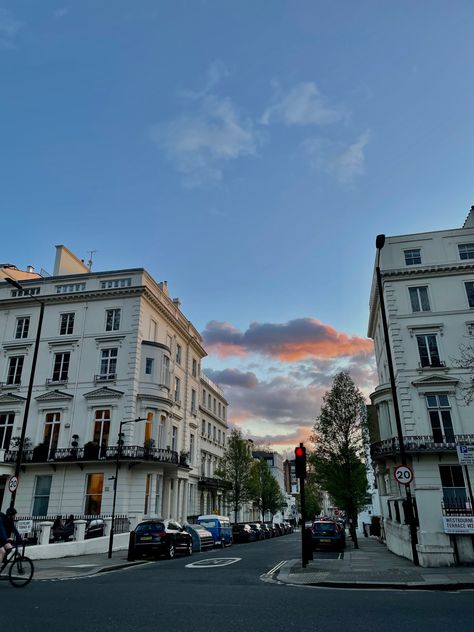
{"x":81,"y":565}
{"x":374,"y":566}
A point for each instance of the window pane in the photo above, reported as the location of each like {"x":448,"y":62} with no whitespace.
{"x":470,"y":293}
{"x":423,"y":349}
{"x":412,"y":256}
{"x":466,"y":251}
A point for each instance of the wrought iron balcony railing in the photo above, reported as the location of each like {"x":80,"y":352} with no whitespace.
{"x":420,"y":444}
{"x":455,"y":507}
{"x":93,"y":452}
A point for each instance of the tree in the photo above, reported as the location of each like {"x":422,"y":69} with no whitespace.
{"x":312,"y":496}
{"x":338,"y":455}
{"x":265,"y":490}
{"x":235,"y":470}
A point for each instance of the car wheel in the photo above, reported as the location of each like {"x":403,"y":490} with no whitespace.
{"x":189,"y":549}
{"x":222,"y":544}
{"x":171,"y":551}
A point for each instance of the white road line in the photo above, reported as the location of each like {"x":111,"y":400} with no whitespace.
{"x":276,"y":568}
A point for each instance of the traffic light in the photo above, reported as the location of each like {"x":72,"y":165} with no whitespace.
{"x":300,"y":461}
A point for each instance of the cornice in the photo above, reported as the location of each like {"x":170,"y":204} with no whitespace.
{"x":104,"y":392}
{"x":54,"y":396}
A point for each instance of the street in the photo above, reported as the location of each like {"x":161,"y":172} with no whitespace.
{"x":170,"y":596}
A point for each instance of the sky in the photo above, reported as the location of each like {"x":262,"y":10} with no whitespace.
{"x":246,"y":151}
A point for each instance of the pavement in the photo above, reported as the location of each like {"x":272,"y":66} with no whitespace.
{"x":372,"y":565}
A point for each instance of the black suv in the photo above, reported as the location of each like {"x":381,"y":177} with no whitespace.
{"x":242,"y":532}
{"x":157,"y":537}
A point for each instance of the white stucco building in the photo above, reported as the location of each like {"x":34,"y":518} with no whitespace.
{"x":114,"y":346}
{"x":428,"y":286}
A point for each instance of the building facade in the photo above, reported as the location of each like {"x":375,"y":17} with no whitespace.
{"x":428,"y":287}
{"x":114,"y":347}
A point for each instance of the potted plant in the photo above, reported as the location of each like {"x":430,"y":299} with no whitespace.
{"x":40,"y":452}
{"x":183,"y":457}
{"x":148,"y":444}
{"x":91,"y":451}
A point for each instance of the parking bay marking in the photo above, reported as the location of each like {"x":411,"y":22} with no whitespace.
{"x":214,"y":562}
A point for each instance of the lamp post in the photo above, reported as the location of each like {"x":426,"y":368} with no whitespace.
{"x":21,"y":444}
{"x":117,"y":465}
{"x":379,"y":244}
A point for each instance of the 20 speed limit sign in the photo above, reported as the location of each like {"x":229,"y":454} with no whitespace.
{"x":12,"y":484}
{"x":403,"y":474}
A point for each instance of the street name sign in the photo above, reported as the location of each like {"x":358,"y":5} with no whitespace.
{"x":24,"y":526}
{"x":465,"y":454}
{"x":403,"y":474}
{"x":458,"y":524}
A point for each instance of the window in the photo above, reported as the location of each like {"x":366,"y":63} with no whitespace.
{"x":153,"y":330}
{"x":214,"y":433}
{"x":466,"y":251}
{"x":174,"y":439}
{"x":428,"y":348}
{"x":223,"y":412}
{"x":219,"y":409}
{"x":41,"y":495}
{"x":419,"y":299}
{"x":412,"y":256}
{"x":52,"y":425}
{"x":214,"y":405}
{"x":193,"y":400}
{"x":209,"y":401}
{"x":6,"y":427}
{"x":18,"y":293}
{"x":166,"y":371}
{"x":470,"y":293}
{"x":70,"y":287}
{"x":102,"y":430}
{"x":61,"y":366}
{"x":94,"y":486}
{"x":15,"y":367}
{"x":178,"y":354}
{"x":108,"y":363}
{"x":22,"y":327}
{"x":440,"y":417}
{"x":107,"y":285}
{"x":203,"y":397}
{"x":66,"y":324}
{"x":203,"y":427}
{"x":454,"y":490}
{"x":177,"y":388}
{"x":194,"y":368}
{"x":112,"y":319}
{"x":191,"y":449}
{"x":147,"y":493}
{"x":149,"y":366}
{"x":209,"y":430}
{"x":219,"y":436}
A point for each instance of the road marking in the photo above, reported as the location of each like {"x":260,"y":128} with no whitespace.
{"x":214,"y":562}
{"x":276,"y":568}
{"x":81,"y":565}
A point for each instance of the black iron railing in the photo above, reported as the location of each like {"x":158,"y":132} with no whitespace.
{"x":456,"y":507}
{"x":420,"y":444}
{"x":94,"y":452}
{"x":121,"y":524}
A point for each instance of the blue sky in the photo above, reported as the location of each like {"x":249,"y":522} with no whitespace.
{"x":246,"y":152}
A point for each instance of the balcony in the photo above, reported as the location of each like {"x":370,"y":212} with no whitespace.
{"x":207,"y":482}
{"x":453,"y":507}
{"x":418,"y":445}
{"x":93,"y":452}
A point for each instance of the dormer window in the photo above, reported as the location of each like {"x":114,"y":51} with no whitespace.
{"x":412,"y":256}
{"x":466,"y":251}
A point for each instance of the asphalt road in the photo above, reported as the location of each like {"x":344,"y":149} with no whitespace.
{"x":168,"y":596}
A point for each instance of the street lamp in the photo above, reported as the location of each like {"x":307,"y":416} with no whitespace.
{"x":379,"y":244}
{"x":21,"y":444}
{"x":117,"y":465}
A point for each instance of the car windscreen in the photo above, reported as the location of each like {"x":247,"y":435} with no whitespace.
{"x":324,"y":528}
{"x":208,"y":524}
{"x":150,"y":527}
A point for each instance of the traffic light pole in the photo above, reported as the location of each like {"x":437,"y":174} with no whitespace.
{"x":304,"y":559}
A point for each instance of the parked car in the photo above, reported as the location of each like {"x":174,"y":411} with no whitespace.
{"x":157,"y":537}
{"x":272,"y":528}
{"x":242,"y":532}
{"x":256,"y":527}
{"x":326,"y":534}
{"x":202,"y":538}
{"x":95,"y":528}
{"x":220,"y":528}
{"x":267,"y":531}
{"x":288,"y":527}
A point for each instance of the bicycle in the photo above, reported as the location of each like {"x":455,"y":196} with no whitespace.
{"x":21,"y":568}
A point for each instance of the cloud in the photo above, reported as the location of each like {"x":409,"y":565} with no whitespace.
{"x":216,"y":72}
{"x":344,"y":162}
{"x":201,"y":143}
{"x":304,"y":104}
{"x":233,"y":377}
{"x":292,"y":341}
{"x":9,"y":28}
{"x":61,"y":12}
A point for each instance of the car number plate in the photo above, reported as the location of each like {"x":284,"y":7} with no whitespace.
{"x":145,"y":537}
{"x":325,"y":540}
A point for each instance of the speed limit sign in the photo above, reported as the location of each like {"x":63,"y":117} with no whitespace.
{"x":403,"y":474}
{"x":12,"y":484}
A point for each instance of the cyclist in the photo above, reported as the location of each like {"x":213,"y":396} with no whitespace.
{"x":7,"y":527}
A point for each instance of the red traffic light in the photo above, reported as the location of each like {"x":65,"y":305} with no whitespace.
{"x":299,"y":452}
{"x":300,"y":461}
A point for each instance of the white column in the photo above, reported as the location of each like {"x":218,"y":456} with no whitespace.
{"x":174,"y":500}
{"x":166,"y":503}
{"x":184,"y":500}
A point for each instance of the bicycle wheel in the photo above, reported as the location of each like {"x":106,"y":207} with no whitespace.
{"x":21,"y":571}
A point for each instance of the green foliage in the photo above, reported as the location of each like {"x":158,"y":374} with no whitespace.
{"x":235,"y":470}
{"x":312,"y":496}
{"x":264,"y":489}
{"x":338,"y":439}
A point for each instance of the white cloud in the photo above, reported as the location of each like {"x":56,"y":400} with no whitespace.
{"x":303,"y":105}
{"x":9,"y":27}
{"x":199,"y":144}
{"x":346,"y":163}
{"x":216,"y":72}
